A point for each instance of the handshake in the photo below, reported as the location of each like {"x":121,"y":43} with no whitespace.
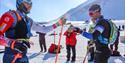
{"x":78,"y":30}
{"x":75,"y":29}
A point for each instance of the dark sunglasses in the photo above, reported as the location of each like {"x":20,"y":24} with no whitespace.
{"x":90,"y":13}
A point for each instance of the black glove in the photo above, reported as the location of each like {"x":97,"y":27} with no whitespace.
{"x":78,"y":30}
{"x":21,"y":46}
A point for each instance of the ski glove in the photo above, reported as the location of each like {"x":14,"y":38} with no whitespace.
{"x":78,"y":30}
{"x":18,"y":45}
{"x":61,"y":22}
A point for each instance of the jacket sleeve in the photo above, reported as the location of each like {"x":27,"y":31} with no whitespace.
{"x":87,"y":35}
{"x":7,"y":20}
{"x":94,"y":36}
{"x":37,"y":27}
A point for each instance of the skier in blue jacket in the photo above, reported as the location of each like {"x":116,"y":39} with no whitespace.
{"x":102,"y":29}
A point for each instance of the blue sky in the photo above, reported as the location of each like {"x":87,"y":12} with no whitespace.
{"x":43,"y":10}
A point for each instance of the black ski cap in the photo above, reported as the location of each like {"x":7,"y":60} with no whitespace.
{"x":95,"y":7}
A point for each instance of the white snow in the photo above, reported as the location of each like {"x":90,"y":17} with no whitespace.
{"x":36,"y":57}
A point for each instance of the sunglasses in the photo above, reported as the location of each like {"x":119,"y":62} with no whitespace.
{"x":91,"y":13}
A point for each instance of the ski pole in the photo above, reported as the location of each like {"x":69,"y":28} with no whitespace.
{"x":59,"y":44}
{"x":54,"y":37}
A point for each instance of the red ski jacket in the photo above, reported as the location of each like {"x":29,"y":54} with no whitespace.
{"x":70,"y":38}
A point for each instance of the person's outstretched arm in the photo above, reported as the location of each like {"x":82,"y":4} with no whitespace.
{"x":37,"y":27}
{"x":93,"y":36}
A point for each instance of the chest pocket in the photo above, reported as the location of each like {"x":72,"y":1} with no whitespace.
{"x":23,"y":28}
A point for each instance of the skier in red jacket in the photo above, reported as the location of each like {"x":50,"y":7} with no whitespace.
{"x":71,"y":43}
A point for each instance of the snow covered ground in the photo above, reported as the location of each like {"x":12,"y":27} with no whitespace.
{"x":36,"y":57}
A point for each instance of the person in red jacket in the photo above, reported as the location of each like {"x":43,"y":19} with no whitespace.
{"x":71,"y":43}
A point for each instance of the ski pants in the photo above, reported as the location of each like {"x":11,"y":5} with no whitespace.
{"x":92,"y":53}
{"x":115,"y":44}
{"x":69,"y":48}
{"x":9,"y":56}
{"x":42,"y":44}
{"x":101,"y":57}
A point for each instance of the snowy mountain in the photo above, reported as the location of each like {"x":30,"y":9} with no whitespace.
{"x":111,"y":9}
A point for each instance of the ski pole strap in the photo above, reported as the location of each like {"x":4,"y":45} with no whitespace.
{"x":26,"y":40}
{"x":12,"y":45}
{"x":16,"y":56}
